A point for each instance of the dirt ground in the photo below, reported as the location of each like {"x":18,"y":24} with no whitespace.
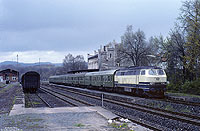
{"x":8,"y":97}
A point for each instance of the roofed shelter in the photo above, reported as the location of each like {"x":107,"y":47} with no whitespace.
{"x":9,"y":75}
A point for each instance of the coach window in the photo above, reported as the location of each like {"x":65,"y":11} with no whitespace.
{"x":143,"y":72}
{"x":109,"y":78}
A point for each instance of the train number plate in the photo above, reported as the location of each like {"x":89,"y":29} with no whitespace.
{"x":127,"y":89}
{"x":157,"y":78}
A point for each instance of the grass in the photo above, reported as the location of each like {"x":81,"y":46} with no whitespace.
{"x":154,"y":104}
{"x":13,"y":103}
{"x":33,"y":120}
{"x":2,"y":85}
{"x":79,"y":125}
{"x":185,"y":110}
{"x":121,"y":126}
{"x":169,"y":108}
{"x":183,"y":94}
{"x":5,"y":89}
{"x":36,"y":103}
{"x":34,"y":126}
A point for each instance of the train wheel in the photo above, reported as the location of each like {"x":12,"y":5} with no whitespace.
{"x":139,"y":92}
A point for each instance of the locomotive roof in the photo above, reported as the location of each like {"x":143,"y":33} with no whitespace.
{"x":56,"y":76}
{"x":140,"y":67}
{"x":107,"y":72}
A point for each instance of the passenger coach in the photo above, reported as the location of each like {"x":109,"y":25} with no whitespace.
{"x":143,"y":80}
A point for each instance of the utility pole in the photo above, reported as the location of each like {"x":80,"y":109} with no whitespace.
{"x":17,"y":68}
{"x":39,"y":67}
{"x":17,"y":60}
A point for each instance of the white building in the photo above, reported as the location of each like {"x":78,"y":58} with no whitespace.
{"x":1,"y":78}
{"x":105,"y":58}
{"x":93,"y":61}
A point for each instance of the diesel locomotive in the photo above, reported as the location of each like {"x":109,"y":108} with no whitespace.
{"x":141,"y":80}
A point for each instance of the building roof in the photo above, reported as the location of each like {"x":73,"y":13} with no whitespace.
{"x":9,"y":71}
{"x":107,"y":72}
{"x":80,"y":71}
{"x":140,"y":67}
{"x":92,"y":57}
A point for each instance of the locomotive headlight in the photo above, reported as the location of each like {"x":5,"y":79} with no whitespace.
{"x":151,"y":83}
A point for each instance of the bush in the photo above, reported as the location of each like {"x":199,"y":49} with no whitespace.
{"x":192,"y":87}
{"x":188,"y":87}
{"x":174,"y":87}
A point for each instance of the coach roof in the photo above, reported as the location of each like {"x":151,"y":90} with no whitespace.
{"x":107,"y":72}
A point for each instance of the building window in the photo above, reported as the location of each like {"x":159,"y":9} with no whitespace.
{"x":13,"y":78}
{"x":110,"y":55}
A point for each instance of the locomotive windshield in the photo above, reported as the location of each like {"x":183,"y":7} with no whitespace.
{"x":152,"y":72}
{"x":160,"y":72}
{"x":156,"y":72}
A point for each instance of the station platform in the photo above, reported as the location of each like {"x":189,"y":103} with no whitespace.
{"x":63,"y":118}
{"x":91,"y":118}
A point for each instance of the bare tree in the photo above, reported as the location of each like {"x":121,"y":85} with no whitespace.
{"x":133,"y":47}
{"x":74,"y":63}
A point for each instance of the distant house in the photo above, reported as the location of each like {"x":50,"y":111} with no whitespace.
{"x":1,"y":78}
{"x":93,"y":61}
{"x":9,"y":75}
{"x":105,"y":58}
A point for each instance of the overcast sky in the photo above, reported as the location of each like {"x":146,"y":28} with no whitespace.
{"x":50,"y":29}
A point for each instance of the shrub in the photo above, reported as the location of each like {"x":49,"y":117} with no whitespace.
{"x":192,"y":87}
{"x":174,"y":87}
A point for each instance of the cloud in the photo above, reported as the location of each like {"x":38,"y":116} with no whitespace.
{"x":34,"y":56}
{"x":79,"y":26}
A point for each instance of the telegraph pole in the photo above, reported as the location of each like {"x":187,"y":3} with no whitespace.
{"x":39,"y":66}
{"x":17,"y":69}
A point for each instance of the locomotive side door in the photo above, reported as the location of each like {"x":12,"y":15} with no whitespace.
{"x":137,"y":73}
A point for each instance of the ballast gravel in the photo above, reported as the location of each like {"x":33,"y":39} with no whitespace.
{"x":154,"y":120}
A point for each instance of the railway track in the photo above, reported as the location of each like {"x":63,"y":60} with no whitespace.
{"x":180,"y":101}
{"x":190,"y":119}
{"x":119,"y":114}
{"x":66,"y":98}
{"x":44,"y":101}
{"x":34,"y":100}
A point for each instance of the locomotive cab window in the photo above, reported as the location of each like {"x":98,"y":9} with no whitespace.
{"x":152,"y":72}
{"x":161,"y":72}
{"x":122,"y":73}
